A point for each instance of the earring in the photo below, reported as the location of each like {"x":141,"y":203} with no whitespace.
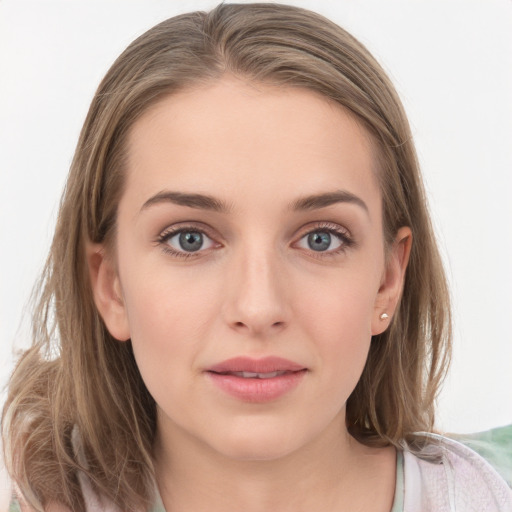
{"x":384,"y":316}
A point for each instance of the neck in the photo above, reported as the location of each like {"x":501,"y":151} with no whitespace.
{"x":334,"y":472}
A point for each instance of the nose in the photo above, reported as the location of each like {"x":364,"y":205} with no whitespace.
{"x":256,"y":301}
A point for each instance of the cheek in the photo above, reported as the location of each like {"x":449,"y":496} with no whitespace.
{"x":163,"y":300}
{"x":339,"y":302}
{"x":338,"y":317}
{"x":169,"y":315}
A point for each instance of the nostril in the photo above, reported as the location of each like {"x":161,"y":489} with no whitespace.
{"x":243,"y":325}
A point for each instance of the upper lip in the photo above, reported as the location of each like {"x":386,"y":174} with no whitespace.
{"x":263,"y":365}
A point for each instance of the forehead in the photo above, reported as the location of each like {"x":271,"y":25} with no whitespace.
{"x":232,"y":136}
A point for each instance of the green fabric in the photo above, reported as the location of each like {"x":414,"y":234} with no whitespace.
{"x":398,"y":502}
{"x":14,"y":506}
{"x":493,"y":445}
{"x":158,"y":506}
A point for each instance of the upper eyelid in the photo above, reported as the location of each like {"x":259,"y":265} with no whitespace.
{"x":186,"y":226}
{"x":331,"y":227}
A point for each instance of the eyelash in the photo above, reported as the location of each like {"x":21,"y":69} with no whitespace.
{"x":333,"y":229}
{"x":166,"y":235}
{"x":325,"y":227}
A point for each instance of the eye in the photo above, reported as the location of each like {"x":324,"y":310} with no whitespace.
{"x":185,"y":241}
{"x":320,"y":241}
{"x":328,"y":239}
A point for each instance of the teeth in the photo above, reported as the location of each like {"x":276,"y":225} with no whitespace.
{"x":253,"y":375}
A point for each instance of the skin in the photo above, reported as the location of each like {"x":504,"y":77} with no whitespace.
{"x":255,"y":288}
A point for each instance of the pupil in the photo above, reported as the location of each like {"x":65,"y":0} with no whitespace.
{"x":191,"y":240}
{"x":319,"y":241}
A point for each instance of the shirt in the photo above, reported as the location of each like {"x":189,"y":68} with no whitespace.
{"x":458,"y":480}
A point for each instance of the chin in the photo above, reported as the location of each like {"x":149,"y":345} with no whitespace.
{"x":265,"y":450}
{"x":259,"y":442}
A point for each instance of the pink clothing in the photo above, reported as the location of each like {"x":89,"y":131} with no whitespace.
{"x":462,"y":481}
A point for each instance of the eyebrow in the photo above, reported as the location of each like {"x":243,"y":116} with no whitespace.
{"x":323,"y":200}
{"x":207,"y":202}
{"x":199,"y":201}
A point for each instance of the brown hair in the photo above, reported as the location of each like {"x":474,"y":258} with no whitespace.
{"x":76,"y":375}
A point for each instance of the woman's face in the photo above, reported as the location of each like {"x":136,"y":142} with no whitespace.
{"x":250,"y":271}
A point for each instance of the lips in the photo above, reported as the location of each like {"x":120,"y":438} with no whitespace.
{"x":255,"y":375}
{"x":265,"y":365}
{"x":256,"y":380}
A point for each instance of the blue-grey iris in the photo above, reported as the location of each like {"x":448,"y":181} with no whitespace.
{"x":191,"y":240}
{"x":319,"y":240}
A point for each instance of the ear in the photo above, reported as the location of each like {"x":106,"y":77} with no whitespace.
{"x":392,"y":281}
{"x":107,"y":292}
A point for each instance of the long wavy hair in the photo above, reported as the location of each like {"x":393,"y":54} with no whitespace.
{"x":76,"y":375}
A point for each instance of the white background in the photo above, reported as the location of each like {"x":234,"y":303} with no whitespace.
{"x":452,"y":64}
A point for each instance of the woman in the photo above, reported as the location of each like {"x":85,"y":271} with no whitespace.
{"x":250,"y":306}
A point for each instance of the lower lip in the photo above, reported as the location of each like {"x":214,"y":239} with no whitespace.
{"x":257,"y":390}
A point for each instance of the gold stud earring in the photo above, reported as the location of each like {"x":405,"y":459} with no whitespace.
{"x":384,"y":316}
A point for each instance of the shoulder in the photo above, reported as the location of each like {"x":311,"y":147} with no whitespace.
{"x":446,"y":475}
{"x":495,"y":446}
